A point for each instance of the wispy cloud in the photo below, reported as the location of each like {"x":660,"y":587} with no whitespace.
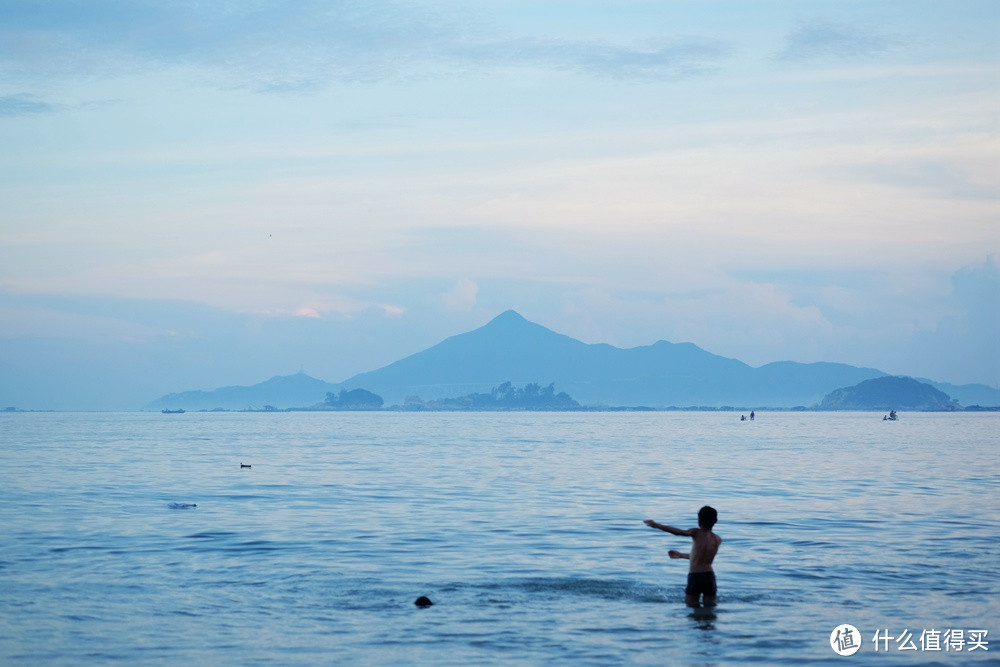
{"x":274,"y":46}
{"x":649,"y":60}
{"x":821,"y":39}
{"x":23,"y":104}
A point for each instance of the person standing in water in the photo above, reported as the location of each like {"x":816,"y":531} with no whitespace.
{"x":701,"y":576}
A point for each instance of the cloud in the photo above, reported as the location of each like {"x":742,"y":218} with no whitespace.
{"x":462,"y":295}
{"x":965,"y":169}
{"x":23,"y":105}
{"x":820,"y":39}
{"x":274,"y":46}
{"x":964,"y":342}
{"x":649,"y":60}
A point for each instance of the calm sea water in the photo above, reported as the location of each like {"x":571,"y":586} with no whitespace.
{"x":525,"y":529}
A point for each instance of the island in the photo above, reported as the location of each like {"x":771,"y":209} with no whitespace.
{"x":890,"y":393}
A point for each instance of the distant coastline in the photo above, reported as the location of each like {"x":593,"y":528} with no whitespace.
{"x":583,"y":408}
{"x":883,"y":394}
{"x":473,"y":371}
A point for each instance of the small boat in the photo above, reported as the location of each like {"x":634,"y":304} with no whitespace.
{"x":173,"y":412}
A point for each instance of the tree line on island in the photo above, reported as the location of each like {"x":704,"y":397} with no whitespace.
{"x":885,"y":393}
{"x":531,"y":396}
{"x":506,"y":396}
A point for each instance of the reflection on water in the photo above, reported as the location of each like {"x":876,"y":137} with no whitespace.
{"x":704,"y":617}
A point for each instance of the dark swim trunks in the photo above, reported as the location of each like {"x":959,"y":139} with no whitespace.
{"x":700,"y":583}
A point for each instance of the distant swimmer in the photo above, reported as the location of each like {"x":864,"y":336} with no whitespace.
{"x":751,"y":415}
{"x":423,"y":601}
{"x":245,"y":465}
{"x":182,"y":506}
{"x":701,"y":576}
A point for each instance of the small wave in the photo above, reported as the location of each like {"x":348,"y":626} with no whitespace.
{"x":233,"y":548}
{"x":84,"y":547}
{"x":746,"y":597}
{"x":81,"y":617}
{"x":812,"y":544}
{"x":606,"y":589}
{"x":518,"y":591}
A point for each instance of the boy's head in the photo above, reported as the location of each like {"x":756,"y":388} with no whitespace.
{"x":707,"y":516}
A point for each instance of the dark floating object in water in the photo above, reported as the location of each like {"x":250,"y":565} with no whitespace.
{"x":172,"y":412}
{"x":423,"y":602}
{"x":245,"y":465}
{"x":182,"y":506}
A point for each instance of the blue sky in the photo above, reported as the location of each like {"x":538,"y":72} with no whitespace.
{"x":201,"y":194}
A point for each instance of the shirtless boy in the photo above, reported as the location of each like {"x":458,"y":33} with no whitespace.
{"x":701,"y":577}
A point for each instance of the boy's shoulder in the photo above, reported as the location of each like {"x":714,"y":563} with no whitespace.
{"x":708,"y":534}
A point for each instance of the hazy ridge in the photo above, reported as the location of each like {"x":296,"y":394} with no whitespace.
{"x":510,"y":348}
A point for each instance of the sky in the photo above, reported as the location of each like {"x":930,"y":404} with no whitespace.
{"x":201,"y":194}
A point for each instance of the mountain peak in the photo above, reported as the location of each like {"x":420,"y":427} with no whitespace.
{"x":508,"y":317}
{"x":510,"y":326}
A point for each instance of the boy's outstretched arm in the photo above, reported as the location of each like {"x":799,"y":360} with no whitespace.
{"x":678,"y":554}
{"x":670,"y":529}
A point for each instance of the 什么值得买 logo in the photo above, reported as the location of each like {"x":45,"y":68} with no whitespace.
{"x":845,"y":639}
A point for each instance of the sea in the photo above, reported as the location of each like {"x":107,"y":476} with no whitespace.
{"x":140,"y":538}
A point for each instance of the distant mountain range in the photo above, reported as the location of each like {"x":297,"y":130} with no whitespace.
{"x":285,"y":391}
{"x":510,"y":348}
